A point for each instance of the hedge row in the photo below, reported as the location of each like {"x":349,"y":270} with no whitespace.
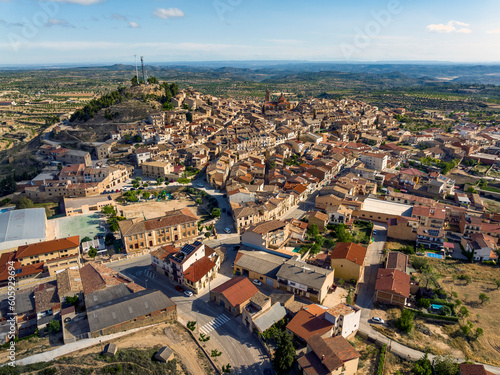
{"x":381,"y":360}
{"x":435,"y":316}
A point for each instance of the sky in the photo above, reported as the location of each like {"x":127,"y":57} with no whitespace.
{"x":113,"y":31}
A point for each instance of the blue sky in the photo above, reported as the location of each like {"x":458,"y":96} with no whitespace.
{"x":112,"y":31}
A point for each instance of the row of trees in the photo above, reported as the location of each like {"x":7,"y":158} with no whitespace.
{"x":95,"y":105}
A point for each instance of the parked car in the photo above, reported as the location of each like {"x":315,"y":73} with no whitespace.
{"x":374,"y":231}
{"x":179,"y":288}
{"x":227,"y":230}
{"x":199,"y":185}
{"x":257,"y":282}
{"x":378,"y":320}
{"x":188,"y":293}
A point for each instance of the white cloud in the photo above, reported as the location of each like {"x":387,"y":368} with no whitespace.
{"x":133,"y":25}
{"x":168,"y":13}
{"x":283,"y":41}
{"x":81,"y":2}
{"x":118,"y":17}
{"x":59,"y":22}
{"x":450,"y":27}
{"x":497,"y":31}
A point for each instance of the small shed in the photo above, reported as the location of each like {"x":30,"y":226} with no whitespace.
{"x":165,"y":354}
{"x":110,"y":350}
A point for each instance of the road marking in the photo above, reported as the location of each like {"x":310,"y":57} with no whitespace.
{"x":214,"y":324}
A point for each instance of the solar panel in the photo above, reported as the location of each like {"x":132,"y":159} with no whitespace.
{"x":197,"y":243}
{"x":188,"y":249}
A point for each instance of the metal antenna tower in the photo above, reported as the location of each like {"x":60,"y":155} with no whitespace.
{"x":143,"y":75}
{"x":136,"y":71}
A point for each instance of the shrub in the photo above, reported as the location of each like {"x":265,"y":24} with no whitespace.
{"x":405,"y":322}
{"x":381,"y":360}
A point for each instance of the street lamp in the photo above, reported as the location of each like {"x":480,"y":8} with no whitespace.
{"x":147,"y":283}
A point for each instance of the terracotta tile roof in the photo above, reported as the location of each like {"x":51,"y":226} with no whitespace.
{"x":318,"y":215}
{"x":468,"y":369}
{"x":46,"y":297}
{"x":165,"y":251}
{"x":393,"y":281}
{"x":396,"y":260}
{"x":98,"y":276}
{"x":129,"y":227}
{"x":350,"y":251}
{"x":69,"y":282}
{"x":237,"y":290}
{"x":267,"y":226}
{"x":31,"y":269}
{"x":327,"y":355}
{"x":47,"y":246}
{"x":198,"y":269}
{"x":309,"y":321}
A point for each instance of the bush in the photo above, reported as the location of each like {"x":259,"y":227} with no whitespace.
{"x":424,"y":302}
{"x":405,"y":322}
{"x":54,"y":326}
{"x":381,"y":360}
{"x":445,"y":310}
{"x":25,"y":203}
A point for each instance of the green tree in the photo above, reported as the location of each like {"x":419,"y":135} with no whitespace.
{"x":108,"y":210}
{"x":446,"y":366}
{"x":146,"y":195}
{"x":284,"y":354}
{"x":92,"y":252}
{"x":313,"y":230}
{"x":199,"y":201}
{"x":72,"y":300}
{"x":113,"y":223}
{"x":109,"y":239}
{"x":329,"y":243}
{"x":86,"y":239}
{"x":216,"y":212}
{"x":226,"y":369}
{"x":342,"y":234}
{"x":405,"y":322}
{"x":422,"y":366}
{"x":25,"y":203}
{"x":463,"y":312}
{"x":479,"y":333}
{"x":152,"y":80}
{"x":54,"y":326}
{"x":484,"y":298}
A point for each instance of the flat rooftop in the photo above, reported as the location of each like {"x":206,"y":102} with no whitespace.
{"x":384,"y":207}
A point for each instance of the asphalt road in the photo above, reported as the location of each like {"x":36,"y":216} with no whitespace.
{"x":243,"y":349}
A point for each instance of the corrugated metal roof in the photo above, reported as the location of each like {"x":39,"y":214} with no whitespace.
{"x":21,"y":227}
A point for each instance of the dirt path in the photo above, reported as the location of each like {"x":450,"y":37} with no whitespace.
{"x":164,"y":334}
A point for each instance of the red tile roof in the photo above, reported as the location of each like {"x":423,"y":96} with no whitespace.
{"x":237,"y":290}
{"x":350,"y":251}
{"x":393,"y":281}
{"x":309,"y":321}
{"x":198,"y":269}
{"x":468,"y":369}
{"x":47,"y":246}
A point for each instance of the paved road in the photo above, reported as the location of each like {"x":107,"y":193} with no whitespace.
{"x":299,"y":210}
{"x":366,"y":295}
{"x":243,"y":349}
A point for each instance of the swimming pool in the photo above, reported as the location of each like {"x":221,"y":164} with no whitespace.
{"x":434,"y":255}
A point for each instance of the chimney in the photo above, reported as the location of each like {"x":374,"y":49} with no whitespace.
{"x":322,"y":358}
